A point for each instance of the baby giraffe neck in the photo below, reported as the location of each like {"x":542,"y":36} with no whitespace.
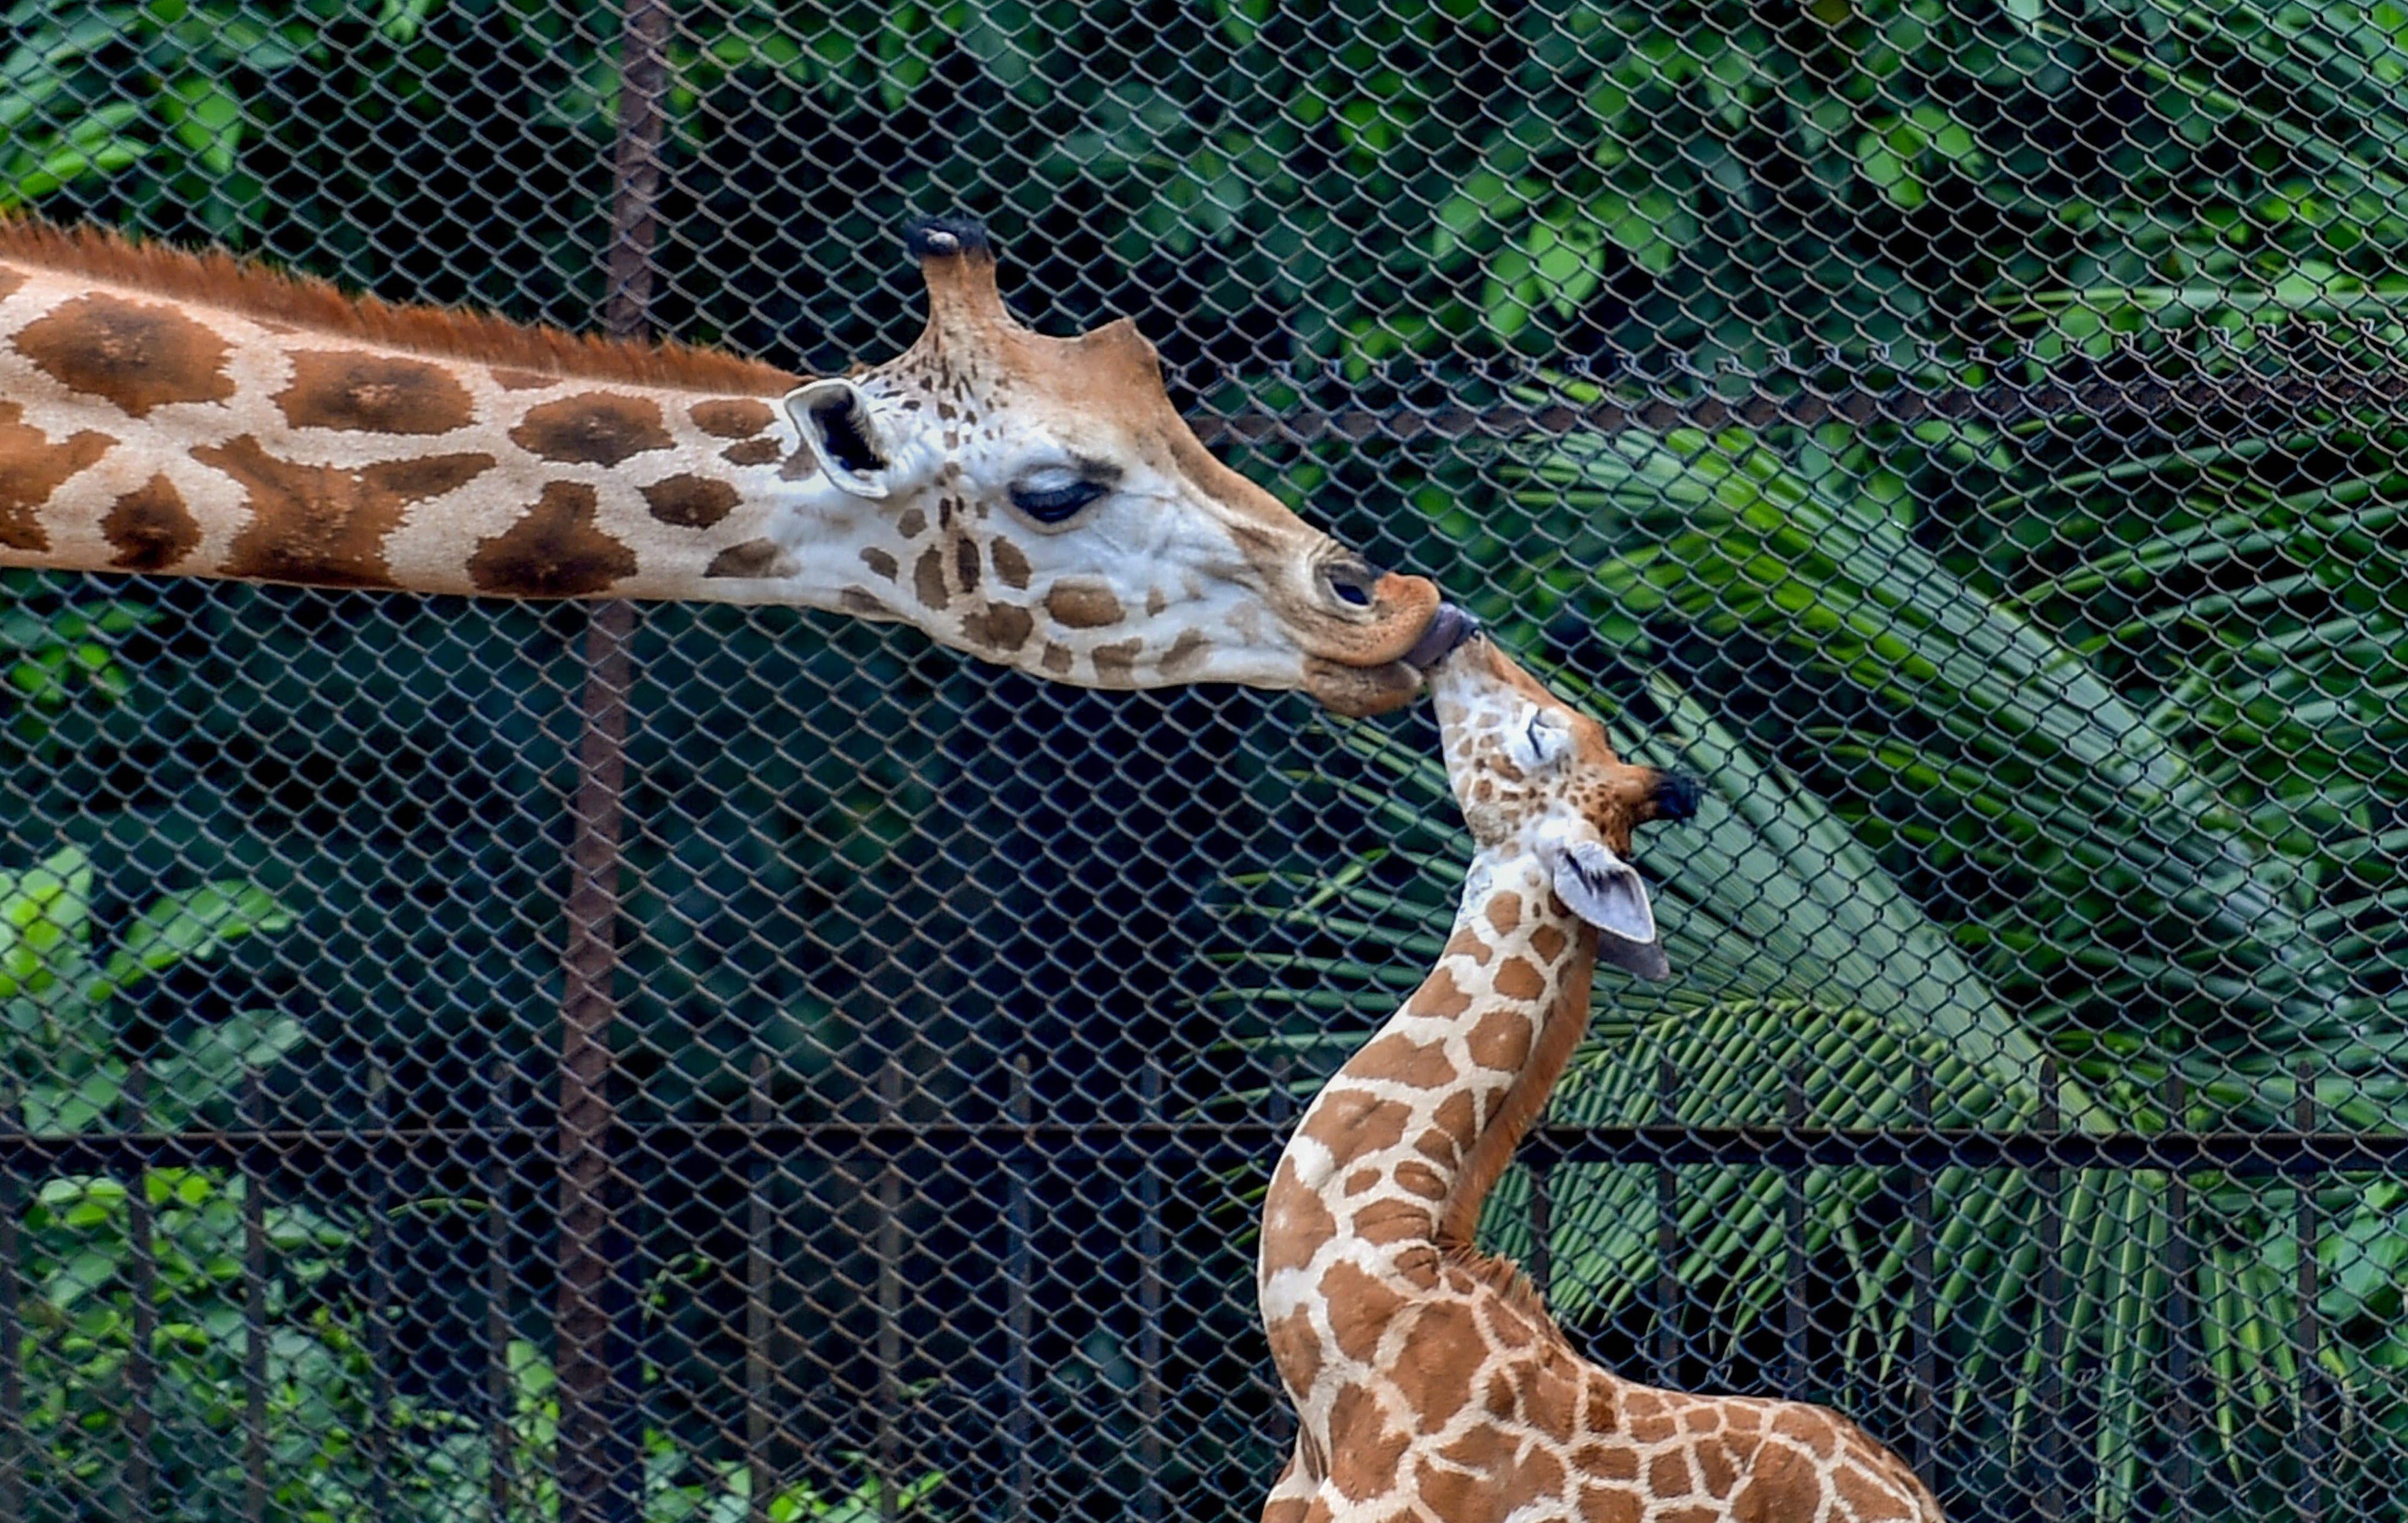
{"x":1406,"y":1141}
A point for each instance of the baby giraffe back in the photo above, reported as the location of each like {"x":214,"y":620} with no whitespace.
{"x":1430,"y":1381}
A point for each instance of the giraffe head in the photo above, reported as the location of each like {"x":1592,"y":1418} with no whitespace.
{"x":1537,"y":777}
{"x":1050,"y":510}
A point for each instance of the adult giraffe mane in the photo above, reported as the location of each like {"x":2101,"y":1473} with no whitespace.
{"x":231,"y":282}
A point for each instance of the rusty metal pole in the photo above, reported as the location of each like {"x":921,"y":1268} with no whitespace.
{"x":599,"y":1477}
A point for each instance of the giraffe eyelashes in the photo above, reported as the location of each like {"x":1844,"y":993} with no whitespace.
{"x":1540,"y":742}
{"x":1050,"y":496}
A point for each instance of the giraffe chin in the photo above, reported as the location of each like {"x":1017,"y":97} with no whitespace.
{"x":1640,"y":959}
{"x":1360,"y":692}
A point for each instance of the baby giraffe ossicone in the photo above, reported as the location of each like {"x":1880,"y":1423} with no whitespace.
{"x":1428,"y":1380}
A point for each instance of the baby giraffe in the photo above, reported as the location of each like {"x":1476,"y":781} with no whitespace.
{"x":1429,"y":1381}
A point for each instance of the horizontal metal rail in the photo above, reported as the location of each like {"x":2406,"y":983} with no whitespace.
{"x":434,"y":1148}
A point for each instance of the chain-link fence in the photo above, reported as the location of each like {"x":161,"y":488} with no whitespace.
{"x":1966,"y":436}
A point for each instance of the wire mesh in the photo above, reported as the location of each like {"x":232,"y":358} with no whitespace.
{"x":1965,"y":435}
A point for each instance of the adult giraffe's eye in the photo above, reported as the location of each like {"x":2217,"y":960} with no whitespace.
{"x":1050,"y":496}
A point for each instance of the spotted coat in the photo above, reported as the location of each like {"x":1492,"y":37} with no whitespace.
{"x":192,"y":415}
{"x":1429,"y":1381}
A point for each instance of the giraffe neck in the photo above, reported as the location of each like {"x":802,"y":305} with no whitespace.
{"x":141,"y":432}
{"x":1401,"y":1147}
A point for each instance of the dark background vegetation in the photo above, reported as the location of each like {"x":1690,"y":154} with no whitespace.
{"x":2079,"y":738}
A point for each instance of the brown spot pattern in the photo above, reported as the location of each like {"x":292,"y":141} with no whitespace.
{"x":324,"y":526}
{"x":1467,"y":943}
{"x":732,"y":417}
{"x":998,"y":626}
{"x":879,"y":561}
{"x":1667,"y":1474}
{"x":1505,"y":913}
{"x":1009,"y":564}
{"x":753,"y":452}
{"x":1295,"y":1223}
{"x":1871,"y":1502}
{"x":592,"y":429}
{"x":138,"y":356}
{"x":1295,"y":1348}
{"x":1434,"y":1384}
{"x":1718,"y":1468}
{"x":149,"y":528}
{"x":1501,"y":1041}
{"x":1360,"y":1309}
{"x":360,"y":392}
{"x":966,"y":564}
{"x":1611,"y":1504}
{"x":1364,"y":1450}
{"x":1187,"y":653}
{"x":928,"y":578}
{"x":1354,"y":1125}
{"x":753,"y":558}
{"x":1384,"y":1222}
{"x":520,"y":380}
{"x":912,"y":522}
{"x":32,"y":468}
{"x":10,"y":282}
{"x":1422,"y":1065}
{"x":554,"y":551}
{"x":1416,"y":1178}
{"x":1083,"y":606}
{"x":1115,"y":662}
{"x":1520,"y":979}
{"x":1438,"y":998}
{"x":1548,"y":942}
{"x":692,"y":502}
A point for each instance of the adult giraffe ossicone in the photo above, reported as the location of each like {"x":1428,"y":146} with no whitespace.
{"x":1429,"y":1381}
{"x":1032,"y":501}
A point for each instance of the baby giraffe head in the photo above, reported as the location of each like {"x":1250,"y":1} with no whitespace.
{"x":1537,"y":780}
{"x":1040,"y":502}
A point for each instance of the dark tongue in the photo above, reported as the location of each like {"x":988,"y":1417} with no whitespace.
{"x":1450,"y":628}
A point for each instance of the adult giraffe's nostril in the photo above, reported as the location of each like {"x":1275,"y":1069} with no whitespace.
{"x":1350,"y":581}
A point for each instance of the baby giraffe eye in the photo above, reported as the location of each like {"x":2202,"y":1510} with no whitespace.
{"x":1538,"y":742}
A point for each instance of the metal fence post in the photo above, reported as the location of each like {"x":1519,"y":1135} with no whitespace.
{"x":597,"y":1479}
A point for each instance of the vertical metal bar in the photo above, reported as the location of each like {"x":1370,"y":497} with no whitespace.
{"x":501,"y":1386}
{"x":2305,"y":1335}
{"x":1150,"y":1299}
{"x":254,"y":1300}
{"x":12,"y":1327}
{"x":1282,"y":1108}
{"x":1021,"y":1267}
{"x":596,"y":1477}
{"x":760,"y":1259}
{"x":1543,"y":1227}
{"x":380,"y":1329}
{"x":2048,"y":1400}
{"x":1667,"y":1234}
{"x":141,"y":1368}
{"x":2180,"y":1416}
{"x":1923,"y":1413}
{"x":1793,"y":1235}
{"x":890,"y":1302}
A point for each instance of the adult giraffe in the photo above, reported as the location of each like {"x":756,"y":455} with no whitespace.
{"x":1033,"y":501}
{"x":1431,"y":1385}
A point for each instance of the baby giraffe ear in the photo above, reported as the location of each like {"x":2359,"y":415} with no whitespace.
{"x":1604,"y":890}
{"x":838,"y":429}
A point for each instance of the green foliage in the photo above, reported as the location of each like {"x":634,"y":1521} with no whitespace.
{"x":453,"y":1477}
{"x":60,"y":998}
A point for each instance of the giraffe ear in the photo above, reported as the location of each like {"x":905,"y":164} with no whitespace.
{"x":1607,"y":892}
{"x":841,"y":432}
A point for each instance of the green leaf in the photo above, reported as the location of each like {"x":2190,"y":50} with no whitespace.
{"x":177,"y":927}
